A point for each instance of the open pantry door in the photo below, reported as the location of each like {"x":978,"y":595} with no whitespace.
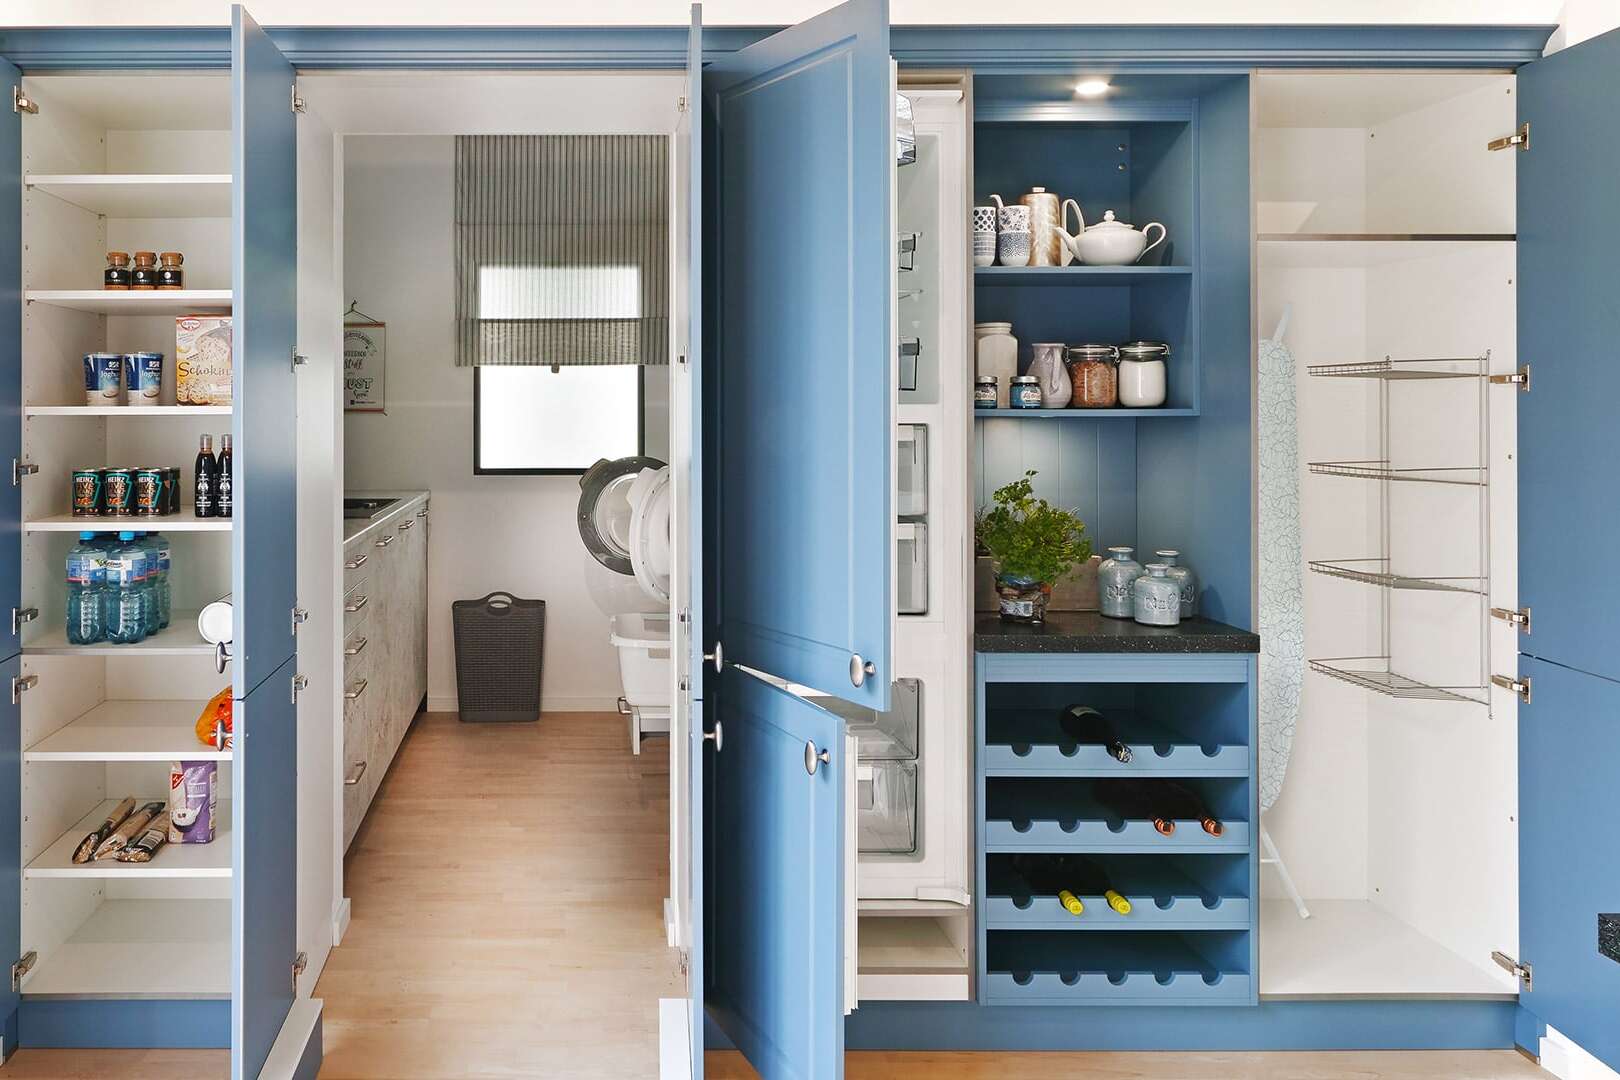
{"x":800,"y":438}
{"x":10,"y":549}
{"x":1568,"y":233}
{"x":264,"y":841}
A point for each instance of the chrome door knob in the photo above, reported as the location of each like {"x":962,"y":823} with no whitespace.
{"x":860,"y":668}
{"x":717,"y":658}
{"x":717,"y":736}
{"x":814,"y":759}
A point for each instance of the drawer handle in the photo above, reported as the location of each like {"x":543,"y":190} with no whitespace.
{"x":357,"y":562}
{"x":358,"y":690}
{"x":385,"y":541}
{"x":355,"y":605}
{"x":422,"y":512}
{"x":406,"y":525}
{"x":357,"y":648}
{"x":360,"y":770}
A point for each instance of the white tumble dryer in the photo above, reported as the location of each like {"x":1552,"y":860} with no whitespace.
{"x":624,"y":522}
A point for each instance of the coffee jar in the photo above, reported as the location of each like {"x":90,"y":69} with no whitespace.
{"x":1092,"y":376}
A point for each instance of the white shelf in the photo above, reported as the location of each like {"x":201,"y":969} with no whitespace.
{"x":151,"y":949}
{"x":1349,"y":251}
{"x":185,"y":521}
{"x":127,"y":410}
{"x":135,"y":302}
{"x":129,"y":731}
{"x":211,"y":860}
{"x":903,"y":959}
{"x":141,"y":195}
{"x":180,"y":638}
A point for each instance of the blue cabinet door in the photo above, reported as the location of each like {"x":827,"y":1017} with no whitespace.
{"x":10,"y":842}
{"x":264,"y":286}
{"x":1569,"y":863}
{"x":264,"y":867}
{"x":804,"y":351}
{"x":776,"y":894}
{"x":10,"y":363}
{"x":1569,"y":323}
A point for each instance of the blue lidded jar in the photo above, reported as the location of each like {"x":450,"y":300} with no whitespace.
{"x":984,"y":391}
{"x":1115,"y":577}
{"x":1025,"y":393}
{"x":1156,"y":600}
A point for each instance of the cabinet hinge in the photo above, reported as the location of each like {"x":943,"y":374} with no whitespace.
{"x":300,"y":962}
{"x":1518,"y":970}
{"x":296,"y":101}
{"x":299,"y":615}
{"x":20,"y":970}
{"x":680,"y":104}
{"x":298,"y":684}
{"x":22,"y":103}
{"x":1519,"y":618}
{"x":1520,"y":138}
{"x":19,"y":683}
{"x":20,"y":469}
{"x":1520,"y":378}
{"x":298,"y":358}
{"x":20,"y":616}
{"x":1518,"y":686}
{"x":680,"y":360}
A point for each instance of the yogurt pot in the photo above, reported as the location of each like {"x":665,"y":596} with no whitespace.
{"x":103,"y":378}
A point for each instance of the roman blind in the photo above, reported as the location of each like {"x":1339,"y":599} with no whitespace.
{"x":562,"y":250}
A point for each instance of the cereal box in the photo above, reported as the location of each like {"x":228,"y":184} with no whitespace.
{"x":202,"y":360}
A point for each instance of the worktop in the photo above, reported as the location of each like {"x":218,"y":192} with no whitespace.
{"x":355,"y":527}
{"x":1091,"y":632}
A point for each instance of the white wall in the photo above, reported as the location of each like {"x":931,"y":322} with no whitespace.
{"x":489,"y":532}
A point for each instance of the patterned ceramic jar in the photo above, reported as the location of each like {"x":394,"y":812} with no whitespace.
{"x":1115,"y":577}
{"x":1012,"y":248}
{"x":1186,"y":581}
{"x":1155,"y":599}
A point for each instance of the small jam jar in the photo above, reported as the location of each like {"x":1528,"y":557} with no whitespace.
{"x":1026,"y":392}
{"x":169,"y":274}
{"x":145,"y":275}
{"x":984,"y":391}
{"x":116,"y":276}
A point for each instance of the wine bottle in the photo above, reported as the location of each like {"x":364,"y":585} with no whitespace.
{"x":205,"y":479}
{"x":1134,"y":798}
{"x":1069,"y":877}
{"x":223,"y":479}
{"x":1089,"y":727}
{"x":1185,"y":803}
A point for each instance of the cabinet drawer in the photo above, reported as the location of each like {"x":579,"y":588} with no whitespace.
{"x":356,"y":644}
{"x":358,"y":693}
{"x":356,"y":564}
{"x":356,"y":609}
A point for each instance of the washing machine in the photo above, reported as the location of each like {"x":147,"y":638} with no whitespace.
{"x":624,"y":521}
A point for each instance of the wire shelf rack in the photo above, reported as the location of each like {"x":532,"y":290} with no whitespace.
{"x":1381,"y":469}
{"x":1470,"y":367}
{"x":1373,"y":673}
{"x":1377,"y":572}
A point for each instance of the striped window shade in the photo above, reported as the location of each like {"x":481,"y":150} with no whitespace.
{"x":562,"y":250}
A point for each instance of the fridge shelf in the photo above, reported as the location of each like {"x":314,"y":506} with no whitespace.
{"x":1373,"y":673}
{"x":1132,"y":968}
{"x":1166,"y":892}
{"x":1376,"y":572}
{"x":1030,"y":742}
{"x":1473,"y":367}
{"x":1378,"y":469}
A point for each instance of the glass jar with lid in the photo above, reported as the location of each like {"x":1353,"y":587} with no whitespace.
{"x":1184,"y":578}
{"x":1142,"y":382}
{"x":1091,"y":373}
{"x":984,"y":391}
{"x":116,"y":276}
{"x":1025,"y":392}
{"x":1155,"y":599}
{"x":169,"y":274}
{"x":145,"y":275}
{"x":1115,"y":577}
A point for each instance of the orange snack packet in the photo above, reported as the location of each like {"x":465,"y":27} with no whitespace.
{"x":215,"y":713}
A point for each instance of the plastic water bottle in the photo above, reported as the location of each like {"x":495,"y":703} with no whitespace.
{"x":126,"y":566}
{"x":87,"y":592}
{"x":160,"y":548}
{"x":151,"y":584}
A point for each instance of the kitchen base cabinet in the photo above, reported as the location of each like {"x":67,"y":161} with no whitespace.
{"x":385,"y":662}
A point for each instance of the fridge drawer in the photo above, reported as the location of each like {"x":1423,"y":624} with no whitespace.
{"x":911,"y":568}
{"x":911,"y":461}
{"x":886,"y":798}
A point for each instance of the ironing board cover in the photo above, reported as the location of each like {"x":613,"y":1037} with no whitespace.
{"x":1282,"y":599}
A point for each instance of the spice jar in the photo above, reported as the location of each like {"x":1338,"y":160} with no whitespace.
{"x":1026,"y":392}
{"x":1091,"y":371}
{"x":984,"y":391}
{"x":116,"y":276}
{"x":145,"y":275}
{"x":1142,"y":374}
{"x":169,"y":275}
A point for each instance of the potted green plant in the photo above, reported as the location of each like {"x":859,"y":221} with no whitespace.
{"x":1033,"y":544}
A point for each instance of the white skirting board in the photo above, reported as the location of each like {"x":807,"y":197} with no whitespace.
{"x":1567,"y":1061}
{"x":291,"y":1046}
{"x":674,"y":1039}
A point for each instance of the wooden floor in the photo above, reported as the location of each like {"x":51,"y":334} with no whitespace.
{"x":507,"y":890}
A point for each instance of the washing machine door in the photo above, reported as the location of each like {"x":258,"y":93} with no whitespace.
{"x":605,"y":509}
{"x":651,"y":557}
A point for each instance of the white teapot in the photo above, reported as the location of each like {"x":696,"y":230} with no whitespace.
{"x":1109,"y":242}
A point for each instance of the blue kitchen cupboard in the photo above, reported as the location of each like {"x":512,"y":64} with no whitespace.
{"x":197,"y":947}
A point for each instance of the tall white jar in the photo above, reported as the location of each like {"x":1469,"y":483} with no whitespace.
{"x":1142,"y":383}
{"x":995,"y":352}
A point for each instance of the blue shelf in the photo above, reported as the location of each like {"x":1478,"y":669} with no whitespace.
{"x":1203,"y":892}
{"x":1078,"y":414}
{"x":1029,"y":742}
{"x":1143,"y":968}
{"x":1098,"y":276}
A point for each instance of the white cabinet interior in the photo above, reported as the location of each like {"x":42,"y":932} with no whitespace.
{"x":1386,"y":231}
{"x":385,"y":648}
{"x":104,"y":721}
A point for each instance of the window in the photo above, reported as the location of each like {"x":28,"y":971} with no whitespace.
{"x":544,"y":420}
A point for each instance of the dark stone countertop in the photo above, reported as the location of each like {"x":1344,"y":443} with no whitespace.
{"x":1090,"y":632}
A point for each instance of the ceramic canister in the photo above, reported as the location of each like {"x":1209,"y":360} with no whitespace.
{"x":1115,"y":577}
{"x":1155,"y":599}
{"x":1045,"y":245}
{"x":1186,"y":581}
{"x":995,"y":353}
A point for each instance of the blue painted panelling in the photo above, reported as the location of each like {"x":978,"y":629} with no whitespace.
{"x":1069,"y":457}
{"x":135,"y":1023}
{"x":1572,"y":718}
{"x":1567,"y":309}
{"x":805,"y":351}
{"x":264,"y":285}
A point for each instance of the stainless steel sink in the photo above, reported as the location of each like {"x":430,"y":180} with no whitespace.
{"x":366,"y":508}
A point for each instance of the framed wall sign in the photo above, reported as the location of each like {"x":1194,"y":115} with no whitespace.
{"x":364,"y":366}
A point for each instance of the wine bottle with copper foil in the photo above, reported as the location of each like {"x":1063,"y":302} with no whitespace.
{"x":1185,"y":803}
{"x":1135,"y":799}
{"x":1088,"y":727}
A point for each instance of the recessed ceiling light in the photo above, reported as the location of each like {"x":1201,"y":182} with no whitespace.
{"x":1091,"y":88}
